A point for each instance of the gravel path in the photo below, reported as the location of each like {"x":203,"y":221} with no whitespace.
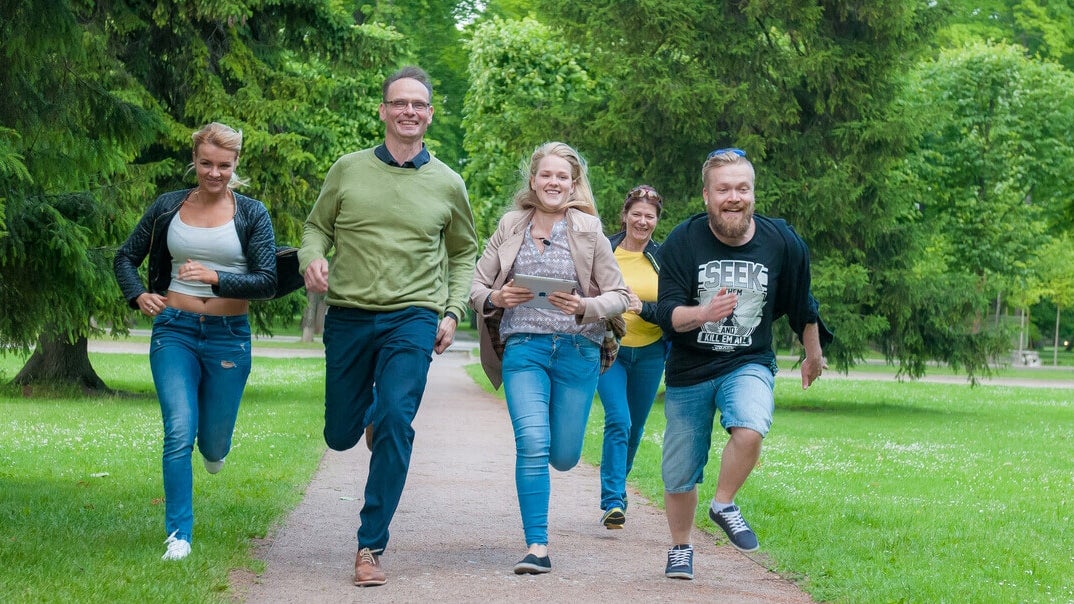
{"x":457,"y":532}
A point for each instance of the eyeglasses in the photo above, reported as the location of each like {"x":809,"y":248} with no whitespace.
{"x":401,"y":105}
{"x":738,"y":152}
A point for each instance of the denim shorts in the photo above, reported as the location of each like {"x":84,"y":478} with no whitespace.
{"x":744,"y":399}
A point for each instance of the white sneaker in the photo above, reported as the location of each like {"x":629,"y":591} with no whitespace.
{"x":177,"y":548}
{"x":213,"y":467}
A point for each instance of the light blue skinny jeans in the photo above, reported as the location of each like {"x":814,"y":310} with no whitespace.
{"x":549,"y":381}
{"x":200,"y":364}
{"x":627,"y":390}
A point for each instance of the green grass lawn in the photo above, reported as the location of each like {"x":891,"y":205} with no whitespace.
{"x":81,"y":514}
{"x":919,"y":492}
{"x":901,"y":492}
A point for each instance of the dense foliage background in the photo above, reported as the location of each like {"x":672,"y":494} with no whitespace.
{"x":923,"y":149}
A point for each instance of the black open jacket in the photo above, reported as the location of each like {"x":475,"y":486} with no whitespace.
{"x":150,"y":238}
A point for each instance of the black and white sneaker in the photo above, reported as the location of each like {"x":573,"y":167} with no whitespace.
{"x":680,"y":562}
{"x":738,"y":530}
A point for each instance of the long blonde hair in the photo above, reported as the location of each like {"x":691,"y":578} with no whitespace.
{"x":582,"y":195}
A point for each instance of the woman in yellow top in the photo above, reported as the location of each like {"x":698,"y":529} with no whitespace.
{"x":628,"y":387}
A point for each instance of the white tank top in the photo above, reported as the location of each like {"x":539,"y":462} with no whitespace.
{"x":217,"y":248}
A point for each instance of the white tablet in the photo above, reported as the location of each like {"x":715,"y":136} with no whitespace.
{"x":542,"y":287}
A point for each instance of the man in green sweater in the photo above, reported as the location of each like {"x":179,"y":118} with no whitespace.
{"x":400,"y":223}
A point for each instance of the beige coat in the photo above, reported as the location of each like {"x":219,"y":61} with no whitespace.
{"x":594,"y":262}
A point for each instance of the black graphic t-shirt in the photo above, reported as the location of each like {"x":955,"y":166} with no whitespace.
{"x":770,"y":275}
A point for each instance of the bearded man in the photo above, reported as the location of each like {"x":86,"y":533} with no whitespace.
{"x":726,"y":276}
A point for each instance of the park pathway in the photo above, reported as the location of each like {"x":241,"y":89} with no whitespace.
{"x":457,"y":532}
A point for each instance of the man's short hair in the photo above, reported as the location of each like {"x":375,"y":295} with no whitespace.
{"x":410,"y":71}
{"x":728,"y":157}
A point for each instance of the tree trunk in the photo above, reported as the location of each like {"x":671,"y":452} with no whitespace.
{"x":1055,"y":346}
{"x":313,"y":317}
{"x":57,"y":362}
{"x":1021,"y":330}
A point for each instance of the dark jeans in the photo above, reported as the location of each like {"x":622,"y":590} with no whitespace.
{"x":392,"y":350}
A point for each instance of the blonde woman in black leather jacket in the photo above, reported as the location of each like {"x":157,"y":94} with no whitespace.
{"x":210,"y":252}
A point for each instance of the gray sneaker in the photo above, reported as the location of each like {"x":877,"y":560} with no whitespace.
{"x":738,"y":530}
{"x":213,"y":467}
{"x":680,"y":562}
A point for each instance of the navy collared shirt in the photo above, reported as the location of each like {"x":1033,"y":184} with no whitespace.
{"x":418,"y":160}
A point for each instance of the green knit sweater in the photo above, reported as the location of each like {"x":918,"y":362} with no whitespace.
{"x":402,"y":237}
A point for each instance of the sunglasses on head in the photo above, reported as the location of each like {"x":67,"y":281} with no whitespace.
{"x":738,"y":152}
{"x":645,"y":193}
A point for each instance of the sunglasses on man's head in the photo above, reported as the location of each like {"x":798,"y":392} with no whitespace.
{"x":738,"y":152}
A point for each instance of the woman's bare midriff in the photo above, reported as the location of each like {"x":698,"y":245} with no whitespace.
{"x":208,"y":306}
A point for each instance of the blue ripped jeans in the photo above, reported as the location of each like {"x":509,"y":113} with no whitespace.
{"x":549,"y":381}
{"x":200,"y":364}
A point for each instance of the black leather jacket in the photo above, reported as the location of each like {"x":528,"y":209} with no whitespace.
{"x":150,"y":237}
{"x":648,"y":309}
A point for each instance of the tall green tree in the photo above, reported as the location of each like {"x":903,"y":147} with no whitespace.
{"x":996,"y":166}
{"x":1045,"y":30}
{"x":71,"y":122}
{"x":1056,"y":278}
{"x":806,"y":90}
{"x":527,"y":86}
{"x":131,"y":80}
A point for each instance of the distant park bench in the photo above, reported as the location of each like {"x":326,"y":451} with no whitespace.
{"x":1025,"y":358}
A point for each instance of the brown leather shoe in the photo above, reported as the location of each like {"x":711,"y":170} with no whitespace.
{"x":367,"y":570}
{"x":369,"y":437}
